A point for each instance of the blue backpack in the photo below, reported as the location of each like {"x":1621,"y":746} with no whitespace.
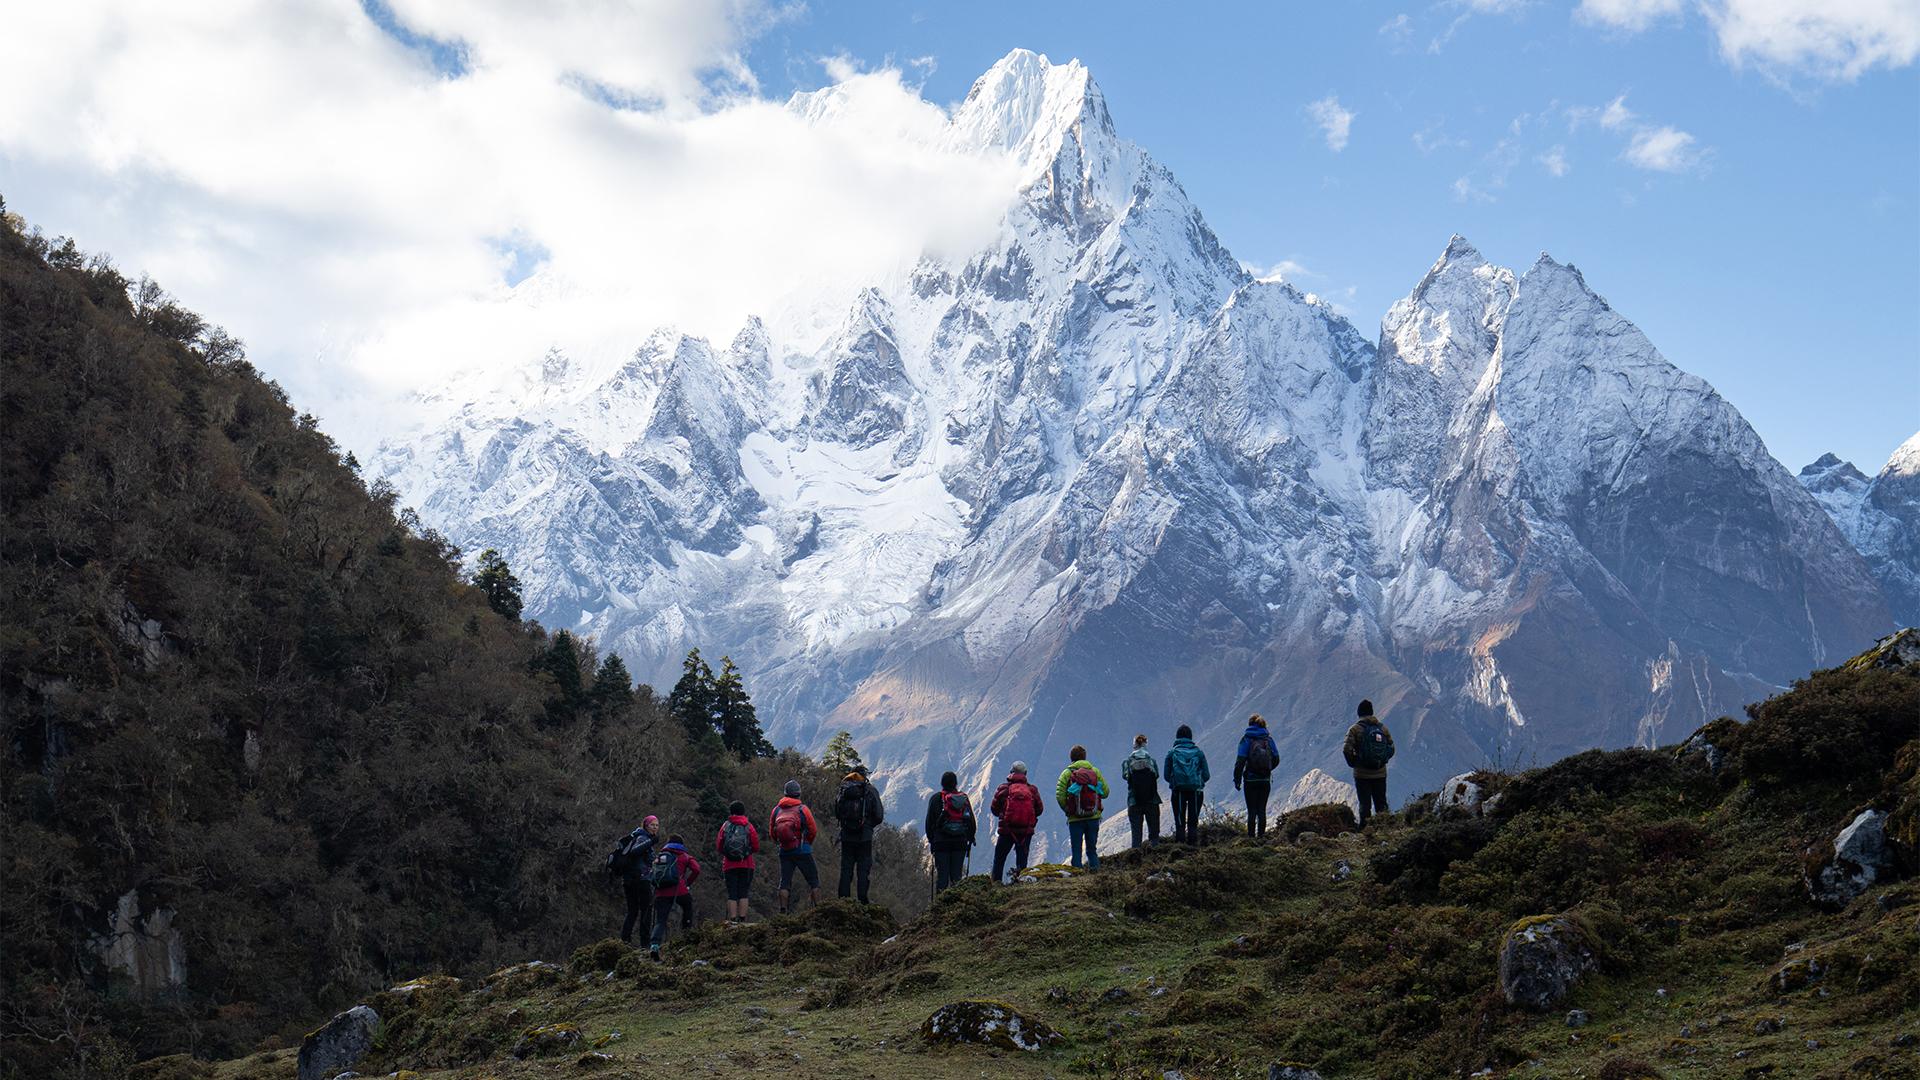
{"x":1183,"y":767}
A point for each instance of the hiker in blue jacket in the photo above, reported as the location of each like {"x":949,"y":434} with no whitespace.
{"x":1253,"y":772}
{"x":1187,"y":774}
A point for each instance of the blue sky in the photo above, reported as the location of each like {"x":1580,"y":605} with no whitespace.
{"x":352,"y":185}
{"x":1784,"y":266}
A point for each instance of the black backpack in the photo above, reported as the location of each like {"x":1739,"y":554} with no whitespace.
{"x":851,"y":809}
{"x":629,"y":853}
{"x":1375,"y":748}
{"x":1261,"y":759}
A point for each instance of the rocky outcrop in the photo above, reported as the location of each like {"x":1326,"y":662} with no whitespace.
{"x":339,"y":1045}
{"x":146,"y":950}
{"x":1541,"y":959}
{"x":1460,"y":796}
{"x":1290,"y":1070}
{"x":1861,"y":856}
{"x":987,"y":1023}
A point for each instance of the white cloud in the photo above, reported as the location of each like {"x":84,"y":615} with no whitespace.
{"x":1284,"y":270}
{"x":1629,"y":15}
{"x":1335,"y":122}
{"x":1616,"y":115}
{"x":1656,"y":147}
{"x":1662,"y":149}
{"x":1832,"y":39}
{"x":1398,"y":30}
{"x":1555,"y":162}
{"x":295,"y":172}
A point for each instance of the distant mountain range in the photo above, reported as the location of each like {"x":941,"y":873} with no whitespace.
{"x":1096,"y":478}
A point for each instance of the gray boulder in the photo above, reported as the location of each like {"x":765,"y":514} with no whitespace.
{"x":987,"y":1023}
{"x":1459,"y":796}
{"x":1699,"y":748}
{"x":1861,"y":857}
{"x":1291,"y":1070}
{"x":339,"y":1045}
{"x":1541,"y":959}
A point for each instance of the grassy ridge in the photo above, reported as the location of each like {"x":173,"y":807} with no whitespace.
{"x":1363,"y":955}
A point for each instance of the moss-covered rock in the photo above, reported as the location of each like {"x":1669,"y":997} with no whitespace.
{"x":547,"y":1040}
{"x":1326,"y":819}
{"x":1541,"y":959}
{"x":988,"y":1023}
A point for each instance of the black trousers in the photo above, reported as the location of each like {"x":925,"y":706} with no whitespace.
{"x":1186,"y":815}
{"x":1373,"y":796}
{"x":856,"y":857}
{"x":1016,"y":844}
{"x":1149,"y":815}
{"x":663,"y":913}
{"x":639,"y":910}
{"x":1258,"y":792}
{"x":948,"y":868}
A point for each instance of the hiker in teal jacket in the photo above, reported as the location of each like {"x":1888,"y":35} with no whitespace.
{"x":1187,"y":774}
{"x":1082,"y":794}
{"x":1253,"y":769}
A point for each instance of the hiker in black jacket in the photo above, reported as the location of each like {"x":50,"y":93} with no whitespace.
{"x":858,"y":811}
{"x":630,"y":862}
{"x":950,"y":831}
{"x":1253,"y":772}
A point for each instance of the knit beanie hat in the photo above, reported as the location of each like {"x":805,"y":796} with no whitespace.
{"x":792,"y":789}
{"x":1366,"y":708}
{"x":1020,"y":767}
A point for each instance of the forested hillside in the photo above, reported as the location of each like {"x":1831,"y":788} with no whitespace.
{"x":267,"y":746}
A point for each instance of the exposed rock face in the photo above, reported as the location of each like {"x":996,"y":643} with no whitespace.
{"x":147,"y":950}
{"x":339,"y":1045}
{"x":987,"y":1023}
{"x":1093,"y":479}
{"x":1861,"y":857}
{"x":1288,"y":1070}
{"x":1540,"y":961}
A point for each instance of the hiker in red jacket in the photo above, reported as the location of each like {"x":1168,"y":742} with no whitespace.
{"x":1017,"y":804}
{"x":672,"y":875}
{"x":793,"y":830}
{"x":736,"y":842}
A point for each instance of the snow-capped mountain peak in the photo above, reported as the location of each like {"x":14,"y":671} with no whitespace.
{"x":1093,"y":479}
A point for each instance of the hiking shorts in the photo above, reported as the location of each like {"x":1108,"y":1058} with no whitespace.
{"x":801,"y":861}
{"x":739,"y":883}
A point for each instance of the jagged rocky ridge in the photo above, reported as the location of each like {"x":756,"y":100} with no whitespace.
{"x":1095,"y":478}
{"x":1881,"y":517}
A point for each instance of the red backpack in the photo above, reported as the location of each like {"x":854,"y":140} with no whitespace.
{"x":1083,"y":789}
{"x":789,"y":826}
{"x":955,"y":808}
{"x":1021,"y":813}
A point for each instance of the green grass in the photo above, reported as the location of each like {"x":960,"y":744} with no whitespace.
{"x":1222,"y":960}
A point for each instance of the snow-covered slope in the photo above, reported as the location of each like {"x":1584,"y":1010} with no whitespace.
{"x":1093,"y":479}
{"x":1881,"y":517}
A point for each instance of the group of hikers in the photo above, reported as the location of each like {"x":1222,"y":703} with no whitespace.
{"x":658,"y":877}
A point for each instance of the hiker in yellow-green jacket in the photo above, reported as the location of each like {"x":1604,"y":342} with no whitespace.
{"x":1082,"y":792}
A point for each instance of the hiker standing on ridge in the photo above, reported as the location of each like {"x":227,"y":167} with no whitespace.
{"x":1253,"y":770}
{"x":1368,"y":748}
{"x":793,"y":829}
{"x":629,"y":862}
{"x":1187,"y":775}
{"x":1142,"y":778}
{"x":858,"y":810}
{"x":672,"y":875}
{"x":950,"y":831}
{"x":1017,"y":805}
{"x":736,"y":842}
{"x":1081,"y":793}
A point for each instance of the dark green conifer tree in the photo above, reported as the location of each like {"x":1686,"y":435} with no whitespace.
{"x":691,"y":701}
{"x":739,"y":724}
{"x":496,"y":579}
{"x":840,"y":756}
{"x":612,"y":692}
